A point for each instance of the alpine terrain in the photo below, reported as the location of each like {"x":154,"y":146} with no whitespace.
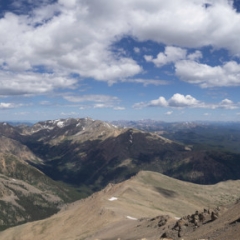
{"x":116,"y":171}
{"x":148,"y":206}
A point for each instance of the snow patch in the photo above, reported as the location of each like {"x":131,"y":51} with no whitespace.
{"x":46,"y":127}
{"x":60,"y":124}
{"x":112,"y":199}
{"x":41,"y":128}
{"x":131,"y":138}
{"x":79,"y":133}
{"x":107,"y":125}
{"x":55,"y":121}
{"x":131,"y":218}
{"x":79,"y":124}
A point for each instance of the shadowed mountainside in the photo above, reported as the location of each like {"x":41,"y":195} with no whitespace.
{"x":90,"y":154}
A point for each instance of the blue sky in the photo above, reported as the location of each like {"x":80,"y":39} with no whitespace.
{"x":120,"y":60}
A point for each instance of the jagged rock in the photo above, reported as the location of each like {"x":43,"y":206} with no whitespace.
{"x":202,"y":217}
{"x":190,"y":223}
{"x":214,"y":216}
{"x":167,"y":235}
{"x":163,"y":220}
{"x":180,"y":224}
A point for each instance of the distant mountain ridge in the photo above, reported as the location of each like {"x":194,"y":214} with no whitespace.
{"x":79,"y":146}
{"x":220,"y":136}
{"x":86,"y":152}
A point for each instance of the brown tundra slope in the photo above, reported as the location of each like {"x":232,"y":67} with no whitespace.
{"x":146,"y":206}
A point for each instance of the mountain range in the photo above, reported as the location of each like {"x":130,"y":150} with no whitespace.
{"x":51,"y":163}
{"x":93,"y":153}
{"x":219,"y":136}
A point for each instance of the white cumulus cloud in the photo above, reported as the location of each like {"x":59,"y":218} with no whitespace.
{"x":4,"y":105}
{"x":76,"y":36}
{"x":228,"y":104}
{"x":169,"y":113}
{"x":171,"y":55}
{"x":207,"y":76}
{"x":179,"y":100}
{"x":187,"y":23}
{"x":13,"y":83}
{"x":186,"y":101}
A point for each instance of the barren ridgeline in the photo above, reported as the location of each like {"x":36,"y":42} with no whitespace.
{"x":148,"y":205}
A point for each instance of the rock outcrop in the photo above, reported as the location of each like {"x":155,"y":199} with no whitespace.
{"x":187,"y":224}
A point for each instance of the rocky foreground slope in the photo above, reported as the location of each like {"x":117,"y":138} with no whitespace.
{"x":147,"y":206}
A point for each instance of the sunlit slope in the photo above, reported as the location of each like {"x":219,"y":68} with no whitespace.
{"x":123,"y":205}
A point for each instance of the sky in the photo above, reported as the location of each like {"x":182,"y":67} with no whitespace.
{"x":120,"y":60}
